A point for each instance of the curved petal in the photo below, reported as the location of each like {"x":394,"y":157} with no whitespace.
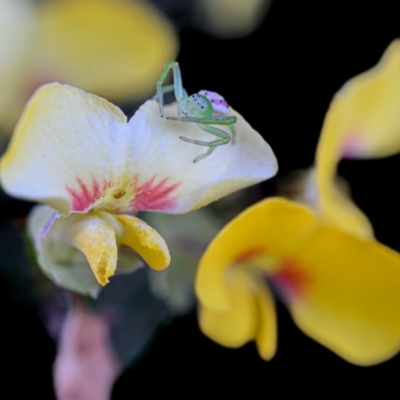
{"x":80,"y":252}
{"x":63,"y":264}
{"x":237,"y":325}
{"x":267,"y":332}
{"x":370,"y":101}
{"x":145,"y":241}
{"x":97,"y":241}
{"x":259,"y":236}
{"x":343,"y":291}
{"x":336,"y":208}
{"x":114,"y":48}
{"x":334,"y":204}
{"x":362,"y":121}
{"x":74,"y":151}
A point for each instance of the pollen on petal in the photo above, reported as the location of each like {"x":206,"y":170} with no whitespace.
{"x":155,"y":196}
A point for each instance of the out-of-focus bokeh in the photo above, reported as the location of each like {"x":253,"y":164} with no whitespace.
{"x":279,"y":66}
{"x":113,"y":48}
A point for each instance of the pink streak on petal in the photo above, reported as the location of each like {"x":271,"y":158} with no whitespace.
{"x":49,"y":224}
{"x":154,"y":196}
{"x":291,"y":281}
{"x":86,"y":195}
{"x":352,"y":145}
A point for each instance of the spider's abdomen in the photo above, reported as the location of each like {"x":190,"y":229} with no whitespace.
{"x":219,"y":104}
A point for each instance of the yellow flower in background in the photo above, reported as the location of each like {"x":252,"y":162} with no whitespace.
{"x":363,"y":121}
{"x":342,"y":290}
{"x":78,"y":154}
{"x":113,"y":48}
{"x":228,"y":19}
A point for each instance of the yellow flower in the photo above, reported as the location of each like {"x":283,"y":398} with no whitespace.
{"x":340,"y":285}
{"x":342,"y":290}
{"x":113,"y":48}
{"x":76,"y":153}
{"x":362,"y":122}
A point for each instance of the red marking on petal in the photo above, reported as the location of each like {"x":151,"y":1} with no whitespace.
{"x":290,"y":281}
{"x":155,"y":196}
{"x":86,"y":195}
{"x":248,"y":254}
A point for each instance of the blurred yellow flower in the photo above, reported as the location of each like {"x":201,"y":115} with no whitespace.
{"x":340,"y":285}
{"x":342,"y":290}
{"x":113,"y":48}
{"x":76,"y":153}
{"x":362,"y":122}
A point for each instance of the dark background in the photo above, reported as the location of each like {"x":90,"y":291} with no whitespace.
{"x":281,"y":79}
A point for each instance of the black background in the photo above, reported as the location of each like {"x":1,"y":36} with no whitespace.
{"x":281,"y":79}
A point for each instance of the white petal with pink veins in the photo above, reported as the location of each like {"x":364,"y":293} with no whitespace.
{"x":75,"y":152}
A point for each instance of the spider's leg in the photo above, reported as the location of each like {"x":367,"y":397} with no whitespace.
{"x":233,"y":132}
{"x":224,"y":139}
{"x":178,"y":88}
{"x":171,"y":88}
{"x":213,"y":120}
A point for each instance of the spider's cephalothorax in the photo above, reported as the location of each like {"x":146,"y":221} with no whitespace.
{"x":205,"y":109}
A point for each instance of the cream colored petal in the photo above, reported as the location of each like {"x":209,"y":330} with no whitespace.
{"x":74,"y":151}
{"x":114,"y":48}
{"x":63,"y":149}
{"x":229,"y":168}
{"x":63,"y":264}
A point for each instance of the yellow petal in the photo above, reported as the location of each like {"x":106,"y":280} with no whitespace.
{"x":267,"y":332}
{"x":237,"y":325}
{"x":228,"y":19}
{"x":263,"y":233}
{"x":362,"y":121}
{"x":74,"y":151}
{"x":332,"y":202}
{"x":143,"y":239}
{"x":344,"y":293}
{"x":339,"y":209}
{"x":97,"y":241}
{"x":335,"y":205}
{"x":114,"y":48}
